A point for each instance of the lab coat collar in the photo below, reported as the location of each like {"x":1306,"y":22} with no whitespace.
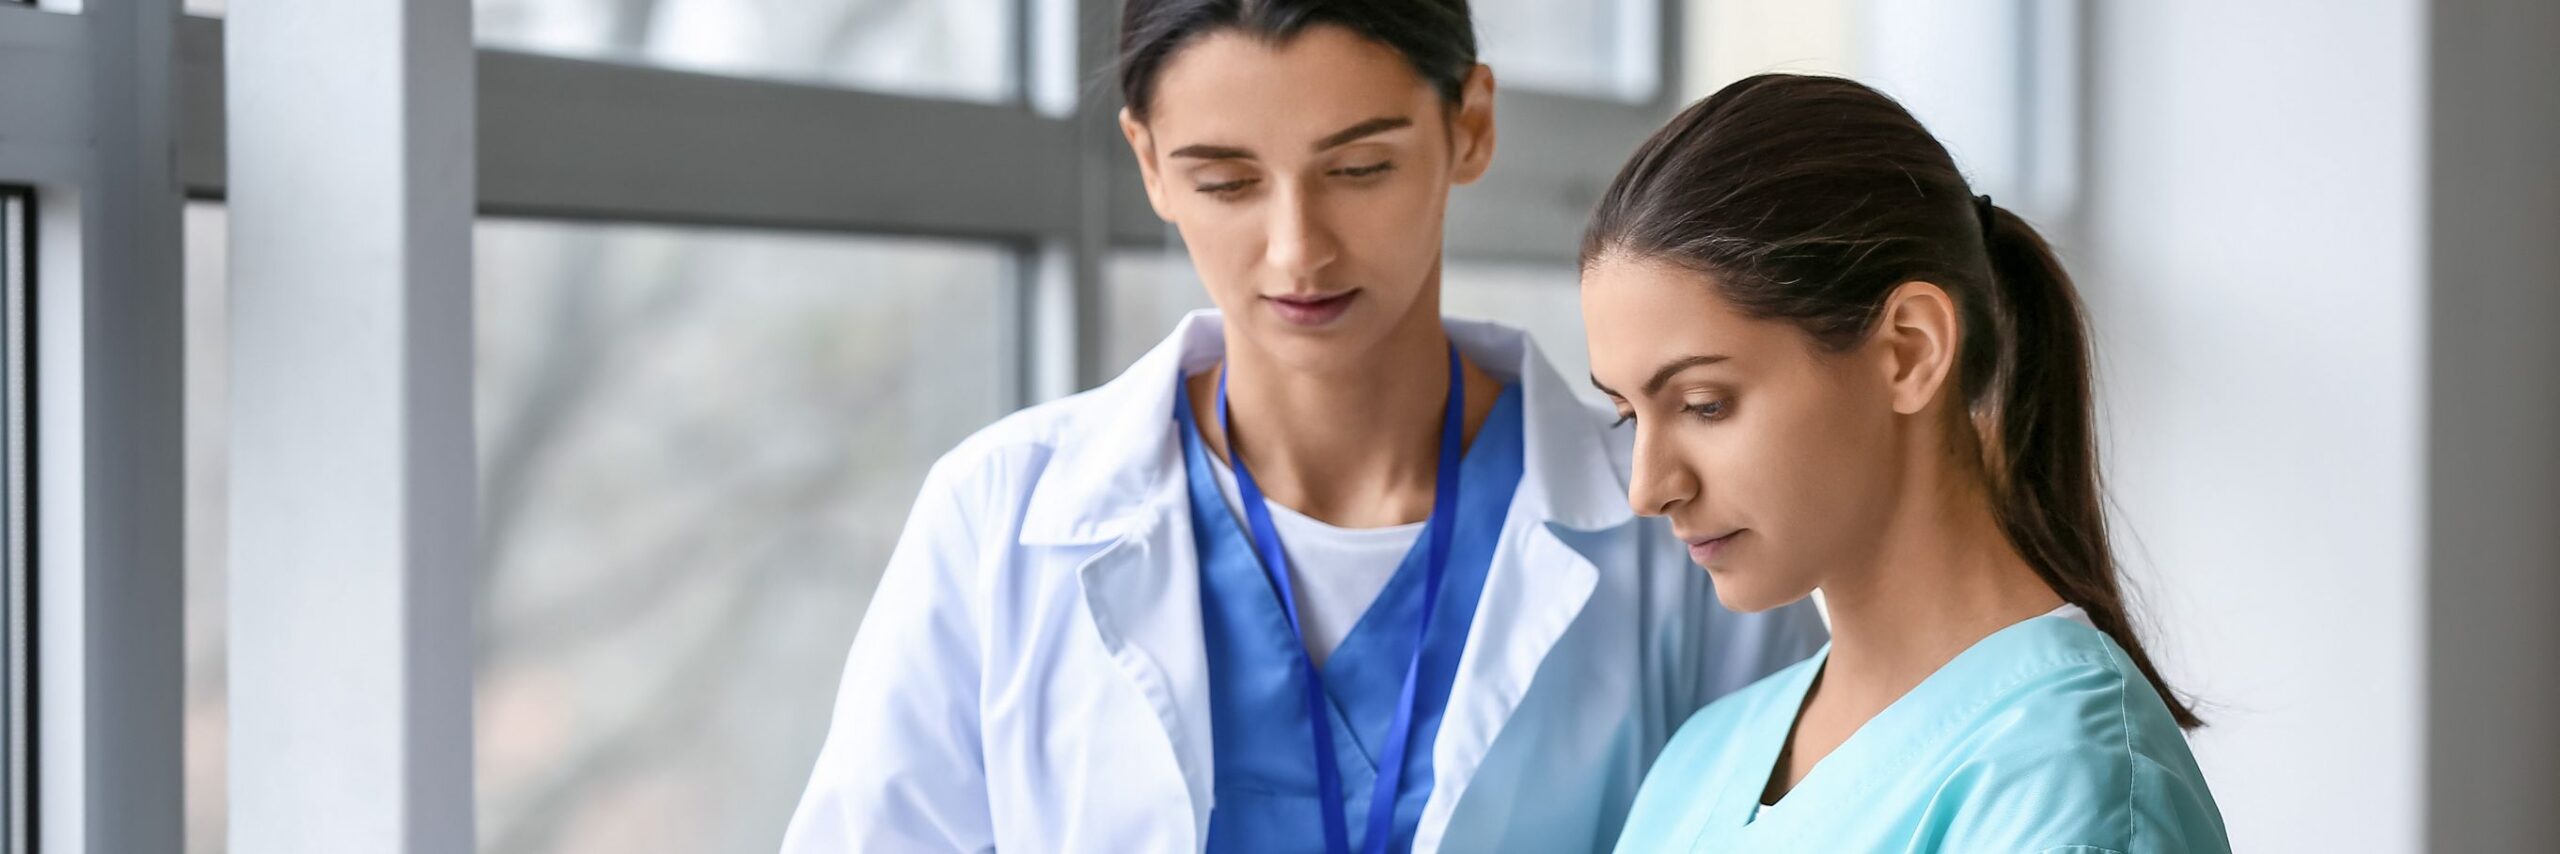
{"x":1128,"y":468}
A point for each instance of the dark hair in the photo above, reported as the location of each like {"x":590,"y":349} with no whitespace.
{"x":1437,"y":36}
{"x":1812,"y":199}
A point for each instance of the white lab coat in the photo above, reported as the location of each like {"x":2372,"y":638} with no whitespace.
{"x":1031,"y":675}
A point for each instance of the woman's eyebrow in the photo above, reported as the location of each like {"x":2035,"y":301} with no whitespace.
{"x":1212,"y":152}
{"x":1372,"y":127}
{"x":1337,"y":139}
{"x":1662,"y":375}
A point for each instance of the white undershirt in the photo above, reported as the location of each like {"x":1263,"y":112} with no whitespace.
{"x":2073,"y":613}
{"x":1335,"y":573}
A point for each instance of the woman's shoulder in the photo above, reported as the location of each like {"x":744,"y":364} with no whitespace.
{"x":2057,"y":685}
{"x":2071,"y":746}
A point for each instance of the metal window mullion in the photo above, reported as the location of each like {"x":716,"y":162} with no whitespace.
{"x":353,"y":477}
{"x":1098,"y":145}
{"x":1671,"y":58}
{"x":1044,"y":50}
{"x":119,"y":730}
{"x":1061,"y":312}
{"x":202,"y":142}
{"x":585,"y":139}
{"x":44,"y":104}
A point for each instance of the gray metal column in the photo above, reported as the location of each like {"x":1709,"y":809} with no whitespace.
{"x":2492,"y":426}
{"x":350,"y":131}
{"x":124,"y":559}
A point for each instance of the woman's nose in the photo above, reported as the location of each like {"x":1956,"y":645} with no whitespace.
{"x":1659,"y":482}
{"x":1300,"y":243}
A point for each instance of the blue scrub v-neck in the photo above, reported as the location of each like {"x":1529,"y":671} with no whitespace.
{"x":1266,"y":799}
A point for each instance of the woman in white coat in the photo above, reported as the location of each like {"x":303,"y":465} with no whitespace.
{"x":1323,"y":571}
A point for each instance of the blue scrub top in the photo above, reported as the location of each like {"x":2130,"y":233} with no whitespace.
{"x":2043,"y":737}
{"x":1266,"y":797}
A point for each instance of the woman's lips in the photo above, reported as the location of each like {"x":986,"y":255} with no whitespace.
{"x":1705,"y":551}
{"x":1312,"y":309}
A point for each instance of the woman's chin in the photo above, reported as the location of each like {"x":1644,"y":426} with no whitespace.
{"x":1741,"y":593}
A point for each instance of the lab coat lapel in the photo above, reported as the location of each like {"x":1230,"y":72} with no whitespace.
{"x":1534,"y":590}
{"x":1538,"y":584}
{"x":1126,"y":493}
{"x":1143,"y":593}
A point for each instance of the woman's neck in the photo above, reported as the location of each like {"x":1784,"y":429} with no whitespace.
{"x":1941,"y":578}
{"x":1944,"y":577}
{"x":1357,"y":447}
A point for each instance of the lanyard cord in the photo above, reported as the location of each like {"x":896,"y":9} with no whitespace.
{"x":1440,"y":530}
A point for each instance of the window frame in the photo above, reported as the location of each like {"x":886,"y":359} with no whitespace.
{"x":18,"y":740}
{"x":88,"y":126}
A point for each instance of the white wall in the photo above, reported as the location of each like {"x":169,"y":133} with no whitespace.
{"x":2254,"y":256}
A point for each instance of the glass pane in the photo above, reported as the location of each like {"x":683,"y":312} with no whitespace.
{"x":1608,"y":48}
{"x":208,"y":520}
{"x":1146,"y":290}
{"x":934,"y":48}
{"x":17,"y":236}
{"x":697,"y":449}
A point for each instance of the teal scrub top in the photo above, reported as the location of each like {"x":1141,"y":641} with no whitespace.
{"x":2041,"y":737}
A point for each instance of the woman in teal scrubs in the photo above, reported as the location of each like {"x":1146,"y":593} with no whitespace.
{"x":1849,"y":373}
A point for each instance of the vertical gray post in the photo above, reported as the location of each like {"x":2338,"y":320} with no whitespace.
{"x":2493,"y":426}
{"x":351,"y":191}
{"x":123,"y":550}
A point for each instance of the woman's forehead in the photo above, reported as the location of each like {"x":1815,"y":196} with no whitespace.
{"x":1229,"y":87}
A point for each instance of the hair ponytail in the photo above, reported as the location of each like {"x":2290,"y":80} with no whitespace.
{"x":1813,"y":198}
{"x":2034,"y":419}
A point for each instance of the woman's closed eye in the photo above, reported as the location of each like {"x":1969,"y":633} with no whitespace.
{"x":1225,"y":188}
{"x":1233,"y":188}
{"x":1711,"y":410}
{"x":1372,"y":170}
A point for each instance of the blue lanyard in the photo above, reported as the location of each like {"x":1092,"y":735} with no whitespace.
{"x":1275,"y":565}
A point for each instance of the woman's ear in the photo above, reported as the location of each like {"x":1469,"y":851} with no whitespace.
{"x":1918,"y":334}
{"x":1471,"y":130}
{"x":1142,"y":144}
